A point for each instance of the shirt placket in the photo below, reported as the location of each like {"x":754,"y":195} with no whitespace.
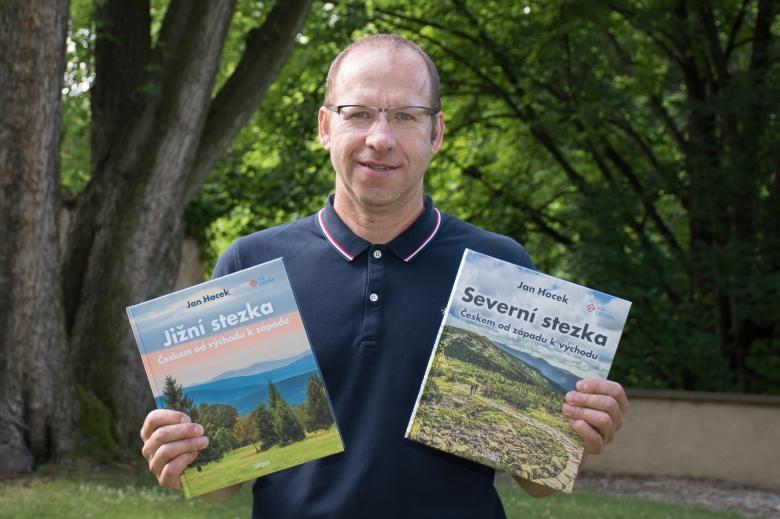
{"x":374,"y":298}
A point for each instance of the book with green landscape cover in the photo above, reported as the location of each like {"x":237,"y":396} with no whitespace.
{"x":512,"y":343}
{"x":234,"y":355}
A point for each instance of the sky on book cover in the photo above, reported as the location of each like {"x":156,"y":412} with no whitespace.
{"x":500,"y":281}
{"x":267,"y":326}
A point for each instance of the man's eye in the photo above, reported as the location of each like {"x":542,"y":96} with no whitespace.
{"x":360,"y":115}
{"x":405,"y":117}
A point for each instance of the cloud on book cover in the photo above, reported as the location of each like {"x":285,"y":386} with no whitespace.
{"x":502,"y":281}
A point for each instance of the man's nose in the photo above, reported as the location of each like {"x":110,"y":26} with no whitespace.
{"x":381,"y":135}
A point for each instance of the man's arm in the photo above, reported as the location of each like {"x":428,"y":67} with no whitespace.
{"x":171,"y":443}
{"x":595,"y":410}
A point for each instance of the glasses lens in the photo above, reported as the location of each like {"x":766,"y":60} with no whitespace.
{"x":406,"y":117}
{"x":401,"y":118}
{"x":359,"y":116}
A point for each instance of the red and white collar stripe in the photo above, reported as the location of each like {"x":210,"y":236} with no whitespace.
{"x":343,"y":251}
{"x":428,"y":238}
{"x":329,"y":236}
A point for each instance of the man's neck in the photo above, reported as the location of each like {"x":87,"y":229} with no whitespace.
{"x":378,"y":225}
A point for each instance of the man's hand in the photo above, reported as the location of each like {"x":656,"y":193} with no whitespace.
{"x":171,"y":443}
{"x":595,"y":410}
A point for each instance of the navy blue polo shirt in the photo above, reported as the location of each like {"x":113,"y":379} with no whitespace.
{"x":372,"y":313}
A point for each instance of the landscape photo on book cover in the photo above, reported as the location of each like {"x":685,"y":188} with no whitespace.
{"x":497,"y":380}
{"x":240,"y":364}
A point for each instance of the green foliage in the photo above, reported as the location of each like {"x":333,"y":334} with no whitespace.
{"x":75,"y":151}
{"x":432,"y":392}
{"x":224,"y":440}
{"x":245,"y":431}
{"x":265,"y":429}
{"x":175,"y":398}
{"x":614,"y":140}
{"x":217,"y":416}
{"x":630,"y":146}
{"x":95,"y":423}
{"x":276,"y":170}
{"x":287,"y":429}
{"x":317,"y":409}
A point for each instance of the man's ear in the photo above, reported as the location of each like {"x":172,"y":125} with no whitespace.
{"x":323,"y":123}
{"x":437,"y":132}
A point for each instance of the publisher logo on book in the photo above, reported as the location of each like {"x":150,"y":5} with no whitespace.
{"x":262,"y":280}
{"x":600,"y":310}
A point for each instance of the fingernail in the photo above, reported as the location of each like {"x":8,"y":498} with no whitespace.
{"x":184,"y":419}
{"x":198,"y":429}
{"x":582,"y":385}
{"x":571,"y":397}
{"x":204,"y":441}
{"x":567,"y":409}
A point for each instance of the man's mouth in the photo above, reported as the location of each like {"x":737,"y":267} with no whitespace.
{"x":377,"y":167}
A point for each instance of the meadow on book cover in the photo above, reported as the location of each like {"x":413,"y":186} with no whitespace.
{"x":512,"y":343}
{"x":234,"y":355}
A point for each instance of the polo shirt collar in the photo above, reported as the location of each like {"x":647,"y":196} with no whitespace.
{"x":406,"y":245}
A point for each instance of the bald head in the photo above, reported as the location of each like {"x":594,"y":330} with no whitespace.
{"x":390,"y":43}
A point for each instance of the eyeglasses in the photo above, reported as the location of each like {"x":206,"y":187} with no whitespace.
{"x":400,"y":118}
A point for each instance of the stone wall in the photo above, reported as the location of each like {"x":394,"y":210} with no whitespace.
{"x":734,"y":438}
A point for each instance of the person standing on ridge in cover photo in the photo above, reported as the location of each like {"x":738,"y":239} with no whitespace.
{"x":372,"y":272}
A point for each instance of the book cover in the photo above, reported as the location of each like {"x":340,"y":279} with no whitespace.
{"x":234,"y":355}
{"x":512,"y":343}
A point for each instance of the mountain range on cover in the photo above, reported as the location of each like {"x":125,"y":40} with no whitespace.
{"x":244,"y":391}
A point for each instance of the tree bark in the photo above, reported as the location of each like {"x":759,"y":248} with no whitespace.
{"x":165,"y":132}
{"x":36,"y":403}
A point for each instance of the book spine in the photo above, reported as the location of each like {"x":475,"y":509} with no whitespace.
{"x":436,"y":344}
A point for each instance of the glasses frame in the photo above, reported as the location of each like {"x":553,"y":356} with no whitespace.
{"x":429,"y":111}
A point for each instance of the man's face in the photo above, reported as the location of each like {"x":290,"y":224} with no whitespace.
{"x":380,"y":168}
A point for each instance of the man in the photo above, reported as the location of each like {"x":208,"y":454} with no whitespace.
{"x":372,"y":272}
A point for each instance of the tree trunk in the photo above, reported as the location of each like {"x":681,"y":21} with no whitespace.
{"x":36,"y":402}
{"x":156,"y":133}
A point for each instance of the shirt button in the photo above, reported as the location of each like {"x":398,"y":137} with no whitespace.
{"x":377,"y":254}
{"x":374,"y":298}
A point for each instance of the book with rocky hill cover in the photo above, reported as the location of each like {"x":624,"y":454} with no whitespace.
{"x":512,"y":343}
{"x":234,"y":355}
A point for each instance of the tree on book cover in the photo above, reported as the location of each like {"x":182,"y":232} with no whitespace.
{"x":503,"y":361}
{"x":263,"y":428}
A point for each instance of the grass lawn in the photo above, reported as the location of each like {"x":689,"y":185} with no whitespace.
{"x":588,"y":505}
{"x":89,"y":493}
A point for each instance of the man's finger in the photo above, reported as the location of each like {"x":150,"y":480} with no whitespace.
{"x":170,"y":474}
{"x":594,"y":443}
{"x":605,"y":387}
{"x":170,"y":451}
{"x":599,"y":402}
{"x":170,"y":433}
{"x":600,"y":421}
{"x":159,"y":418}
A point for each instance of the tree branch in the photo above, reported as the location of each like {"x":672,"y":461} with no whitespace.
{"x":731,"y":43}
{"x":762,"y":36}
{"x":628,"y":173}
{"x":707,"y":19}
{"x":267,"y":48}
{"x":537,"y":217}
{"x":122,"y":48}
{"x":641,"y":28}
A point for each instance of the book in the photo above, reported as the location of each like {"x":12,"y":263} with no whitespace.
{"x":233,"y":353}
{"x":512,"y":343}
